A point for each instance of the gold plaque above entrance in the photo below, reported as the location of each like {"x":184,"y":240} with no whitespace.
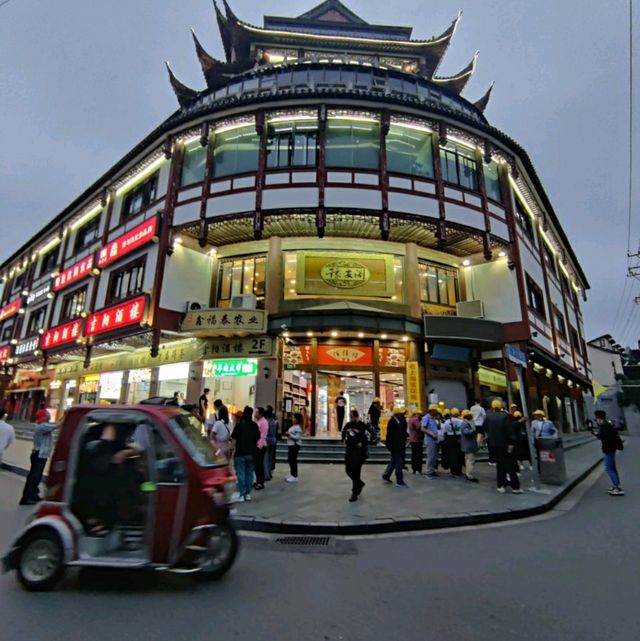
{"x":345,"y":274}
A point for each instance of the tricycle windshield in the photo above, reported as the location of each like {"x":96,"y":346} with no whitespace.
{"x":187,"y":428}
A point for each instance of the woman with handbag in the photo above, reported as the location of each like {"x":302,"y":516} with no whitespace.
{"x":611,"y":442}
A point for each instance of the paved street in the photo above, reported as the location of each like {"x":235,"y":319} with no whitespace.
{"x":574,"y":576}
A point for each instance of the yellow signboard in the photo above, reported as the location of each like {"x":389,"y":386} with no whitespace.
{"x":492,"y":377}
{"x":413,"y":386}
{"x":211,"y":322}
{"x":341,"y":273}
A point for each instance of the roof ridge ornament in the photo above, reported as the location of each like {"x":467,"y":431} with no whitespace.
{"x":225,"y":31}
{"x":184,"y":94}
{"x":482,"y":103}
{"x":448,"y":35}
{"x":458,"y":82}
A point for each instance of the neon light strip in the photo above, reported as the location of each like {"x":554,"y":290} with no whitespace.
{"x":407,"y":125}
{"x":147,"y":171}
{"x":523,"y":202}
{"x":83,"y":219}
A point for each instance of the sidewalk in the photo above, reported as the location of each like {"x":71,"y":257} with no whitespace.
{"x":318,"y":503}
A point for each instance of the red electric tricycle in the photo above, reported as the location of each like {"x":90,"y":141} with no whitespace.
{"x":129,"y":487}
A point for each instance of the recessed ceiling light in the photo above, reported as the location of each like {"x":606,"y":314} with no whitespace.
{"x":309,"y":333}
{"x":502,"y":254}
{"x":383,"y":336}
{"x":466,"y":262}
{"x":360,"y":334}
{"x":405,"y":338}
{"x":334,"y":333}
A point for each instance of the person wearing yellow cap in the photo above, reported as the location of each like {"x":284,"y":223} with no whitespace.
{"x":430,"y":423}
{"x":542,"y":428}
{"x":468,"y":444}
{"x":502,"y":437}
{"x":443,"y":451}
{"x":523,"y":455}
{"x":416,"y":441}
{"x":452,"y":429}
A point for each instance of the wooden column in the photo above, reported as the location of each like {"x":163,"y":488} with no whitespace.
{"x":486,"y":238}
{"x":321,"y":217}
{"x":411,"y":280}
{"x":274,"y":277}
{"x":261,"y":130}
{"x":438,"y":139}
{"x":385,"y":123}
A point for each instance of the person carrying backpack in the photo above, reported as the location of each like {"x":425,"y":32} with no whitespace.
{"x":611,"y":443}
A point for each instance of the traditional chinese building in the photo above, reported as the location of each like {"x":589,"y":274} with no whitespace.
{"x":326,"y":214}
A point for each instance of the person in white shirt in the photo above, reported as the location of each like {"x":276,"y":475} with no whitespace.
{"x":7,"y":434}
{"x":478,"y":415}
{"x":294,"y":438}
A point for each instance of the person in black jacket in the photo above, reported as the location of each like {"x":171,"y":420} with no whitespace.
{"x":611,"y":442}
{"x":354,"y":436}
{"x":375,"y":410}
{"x":502,"y":437}
{"x":396,"y":442}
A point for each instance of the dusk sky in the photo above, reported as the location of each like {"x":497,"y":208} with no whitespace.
{"x":81,"y":83}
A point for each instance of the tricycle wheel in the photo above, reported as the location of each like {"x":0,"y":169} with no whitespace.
{"x":222,"y":547}
{"x":40,"y":561}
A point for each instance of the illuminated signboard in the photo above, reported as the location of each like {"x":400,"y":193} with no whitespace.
{"x":234,"y":367}
{"x":72,"y":274}
{"x":27,"y":348}
{"x":5,"y":353}
{"x":61,"y":335}
{"x":9,"y":310}
{"x":38,"y":294}
{"x":129,"y":241}
{"x":116,"y":317}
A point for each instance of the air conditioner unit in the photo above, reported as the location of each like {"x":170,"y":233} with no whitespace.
{"x":470,"y":309}
{"x":244,"y":301}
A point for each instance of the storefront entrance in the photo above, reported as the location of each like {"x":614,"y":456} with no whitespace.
{"x":359,"y":372}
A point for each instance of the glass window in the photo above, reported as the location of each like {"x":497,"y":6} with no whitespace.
{"x":409,"y":151}
{"x":560,"y":323}
{"x":353,"y":143}
{"x":492,"y":181}
{"x":535,"y":297}
{"x":524,"y":219}
{"x":242,"y":276}
{"x":18,"y":281}
{"x":459,"y":166}
{"x":49,"y":261}
{"x":188,"y":430}
{"x":292,"y":144}
{"x":36,"y":320}
{"x":169,"y":467}
{"x":236,"y":151}
{"x":438,"y":284}
{"x":73,"y":304}
{"x":127,"y":281}
{"x":549,"y":259}
{"x":193,"y":165}
{"x":87,"y":234}
{"x":140,"y":197}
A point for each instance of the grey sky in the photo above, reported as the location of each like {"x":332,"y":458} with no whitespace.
{"x":82,"y":82}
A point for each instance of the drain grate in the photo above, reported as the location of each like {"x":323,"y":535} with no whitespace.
{"x":304,"y":540}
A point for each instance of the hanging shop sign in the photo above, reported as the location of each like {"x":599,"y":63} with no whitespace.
{"x":262,"y":346}
{"x":235,"y":367}
{"x":107,"y":320}
{"x":345,"y":355}
{"x":296,"y":355}
{"x":128,"y":242}
{"x":61,"y":335}
{"x":5,"y":354}
{"x":324,"y":273}
{"x":414,"y":397}
{"x":39,"y":294}
{"x":391,"y":357}
{"x":516,"y":355}
{"x":76,"y":272}
{"x":27,"y":348}
{"x":225,"y":321}
{"x":492,"y":377}
{"x":10,"y":309}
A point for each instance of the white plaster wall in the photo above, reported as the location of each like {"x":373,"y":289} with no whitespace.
{"x":410,"y":204}
{"x":186,"y":213}
{"x":221,"y":205}
{"x":357,"y":198}
{"x":285,"y":198}
{"x":497,"y":287}
{"x":464,"y":216}
{"x":187,"y":277}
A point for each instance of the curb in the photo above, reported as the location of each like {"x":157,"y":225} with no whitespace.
{"x":389,"y":525}
{"x":20,"y":471}
{"x":386,"y":526}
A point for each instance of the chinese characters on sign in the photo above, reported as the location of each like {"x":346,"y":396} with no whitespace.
{"x":106,"y":320}
{"x":261,"y":346}
{"x":61,"y":335}
{"x":345,"y":274}
{"x":10,"y":309}
{"x":414,"y":397}
{"x":212,"y":321}
{"x":344,"y":355}
{"x":129,"y":241}
{"x":5,"y":353}
{"x":233,"y":367}
{"x":27,"y":347}
{"x":37,"y":295}
{"x":72,"y":274}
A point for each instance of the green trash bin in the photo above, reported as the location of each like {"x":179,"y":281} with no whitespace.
{"x":551,"y":461}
